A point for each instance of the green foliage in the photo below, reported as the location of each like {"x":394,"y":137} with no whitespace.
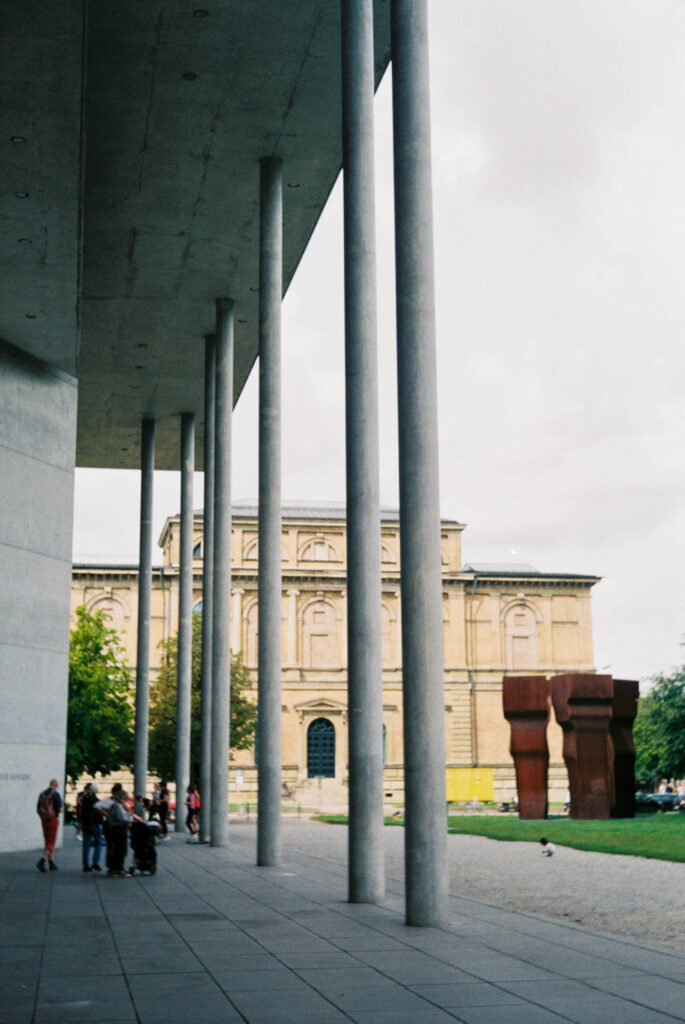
{"x":100,"y":712}
{"x":659,"y":730}
{"x":162,"y":742}
{"x":659,"y":836}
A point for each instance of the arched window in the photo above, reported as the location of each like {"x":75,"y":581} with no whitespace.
{"x":320,"y":636}
{"x":319,"y":549}
{"x":521,"y":637}
{"x":197,"y":550}
{"x":252,"y":647}
{"x":321,"y":749}
{"x":197,"y":610}
{"x":114,"y":610}
{"x":251,"y":551}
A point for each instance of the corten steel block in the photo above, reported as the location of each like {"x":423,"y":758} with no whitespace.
{"x":559,"y":690}
{"x":624,"y":706}
{"x":583,"y":708}
{"x":526,"y":704}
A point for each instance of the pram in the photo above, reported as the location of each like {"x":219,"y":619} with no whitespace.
{"x":143,"y":838}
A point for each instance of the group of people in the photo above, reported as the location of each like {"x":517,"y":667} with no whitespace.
{"x":110,"y":819}
{"x":158,"y":809}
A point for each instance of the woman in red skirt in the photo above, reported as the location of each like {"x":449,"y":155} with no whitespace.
{"x":49,"y":808}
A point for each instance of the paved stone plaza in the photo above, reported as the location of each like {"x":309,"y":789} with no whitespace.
{"x":211,"y":938}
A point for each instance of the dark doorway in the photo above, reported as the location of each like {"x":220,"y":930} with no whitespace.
{"x":321,"y":749}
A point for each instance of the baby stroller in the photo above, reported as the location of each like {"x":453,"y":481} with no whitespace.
{"x":143,"y":837}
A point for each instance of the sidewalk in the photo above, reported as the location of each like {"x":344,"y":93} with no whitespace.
{"x":211,"y":938}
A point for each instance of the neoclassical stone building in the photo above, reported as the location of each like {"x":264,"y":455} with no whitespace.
{"x":497,"y":619}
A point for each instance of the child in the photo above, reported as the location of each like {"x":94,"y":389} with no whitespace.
{"x":547,"y":847}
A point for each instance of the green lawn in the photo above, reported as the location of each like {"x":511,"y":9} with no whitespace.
{"x":660,"y":836}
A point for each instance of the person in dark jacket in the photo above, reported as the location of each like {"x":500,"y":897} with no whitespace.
{"x":163,"y":811}
{"x":91,"y":825}
{"x":118,"y":819}
{"x":49,"y":807}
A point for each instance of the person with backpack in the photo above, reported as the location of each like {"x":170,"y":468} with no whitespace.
{"x":91,"y":825}
{"x":49,"y":807}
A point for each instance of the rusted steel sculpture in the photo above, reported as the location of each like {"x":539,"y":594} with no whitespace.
{"x":583,"y":708}
{"x":624,"y":707}
{"x":526,"y":703}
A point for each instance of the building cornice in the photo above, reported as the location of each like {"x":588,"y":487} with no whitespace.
{"x":337,"y":578}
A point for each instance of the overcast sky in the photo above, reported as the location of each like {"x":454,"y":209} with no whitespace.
{"x":558,"y":165}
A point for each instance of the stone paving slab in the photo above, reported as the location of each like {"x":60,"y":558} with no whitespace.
{"x":211,"y":939}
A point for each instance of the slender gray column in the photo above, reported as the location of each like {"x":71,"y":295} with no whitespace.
{"x":147,"y":469}
{"x":421,"y":572}
{"x":365,"y":685}
{"x":185,"y":617}
{"x":270,"y":629}
{"x":207,"y":589}
{"x":221,"y":611}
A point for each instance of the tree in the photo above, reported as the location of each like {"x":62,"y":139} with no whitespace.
{"x":659,"y":730}
{"x":100,"y":712}
{"x":162,"y":745}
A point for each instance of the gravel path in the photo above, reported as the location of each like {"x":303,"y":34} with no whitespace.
{"x":631,"y":896}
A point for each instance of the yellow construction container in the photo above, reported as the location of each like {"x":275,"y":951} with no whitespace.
{"x":464,"y":784}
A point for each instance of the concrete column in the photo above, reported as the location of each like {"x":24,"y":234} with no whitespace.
{"x":365,"y":843}
{"x":37,"y":446}
{"x":221,"y":611}
{"x":147,"y":469}
{"x":207,"y":589}
{"x":421,"y":571}
{"x":292,"y":627}
{"x":269,"y":582}
{"x":185,"y":617}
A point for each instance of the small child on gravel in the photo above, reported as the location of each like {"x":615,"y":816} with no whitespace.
{"x":547,"y":847}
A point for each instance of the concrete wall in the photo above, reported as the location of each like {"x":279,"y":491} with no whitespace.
{"x":37,"y":443}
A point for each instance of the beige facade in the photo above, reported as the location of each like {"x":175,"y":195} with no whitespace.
{"x":497,"y":619}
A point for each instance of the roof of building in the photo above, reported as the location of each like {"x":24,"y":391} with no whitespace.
{"x":517,"y":568}
{"x":299,"y":509}
{"x":105,"y":563}
{"x":521,"y":569}
{"x":307,"y":509}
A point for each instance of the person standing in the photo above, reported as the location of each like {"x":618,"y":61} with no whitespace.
{"x":163,"y":811}
{"x":77,"y":811}
{"x":49,"y":807}
{"x":192,"y":808}
{"x":91,"y":825}
{"x":118,"y":820}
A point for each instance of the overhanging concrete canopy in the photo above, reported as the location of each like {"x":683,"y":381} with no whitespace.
{"x":178,"y":104}
{"x":40,"y":148}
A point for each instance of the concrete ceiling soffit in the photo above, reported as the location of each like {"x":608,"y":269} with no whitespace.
{"x":179,"y":110}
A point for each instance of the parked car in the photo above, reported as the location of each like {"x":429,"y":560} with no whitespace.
{"x":659,"y":801}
